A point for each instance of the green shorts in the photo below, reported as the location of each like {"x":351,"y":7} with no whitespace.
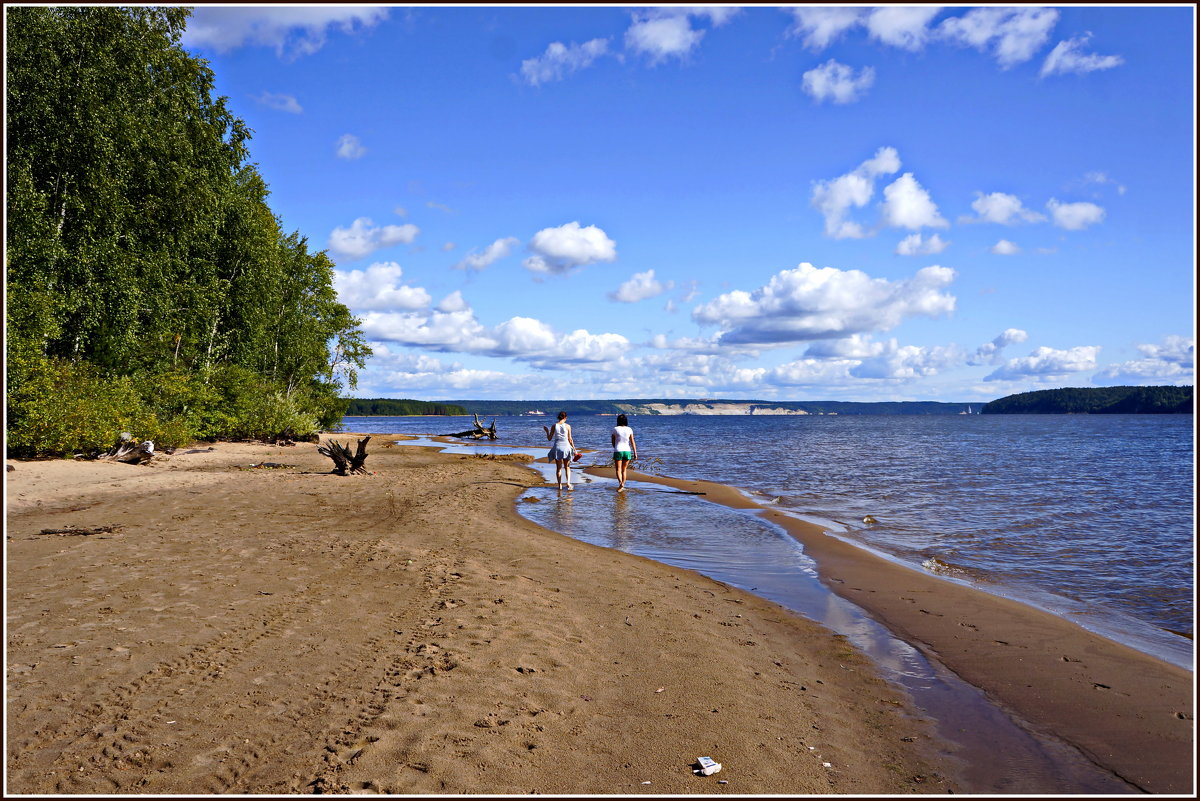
{"x":622,"y":456}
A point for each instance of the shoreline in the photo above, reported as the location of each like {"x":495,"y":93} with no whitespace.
{"x":200,"y":625}
{"x":1127,"y":711}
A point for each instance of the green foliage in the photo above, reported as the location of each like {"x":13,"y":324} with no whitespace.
{"x":367,"y":407}
{"x":143,"y":262}
{"x":1097,"y":400}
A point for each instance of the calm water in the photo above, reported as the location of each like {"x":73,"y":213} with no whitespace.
{"x":1088,"y":516}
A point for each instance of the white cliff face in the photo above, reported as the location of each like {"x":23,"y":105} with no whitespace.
{"x":706,"y":409}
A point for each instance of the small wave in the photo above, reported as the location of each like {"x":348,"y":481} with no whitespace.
{"x":942,"y":568}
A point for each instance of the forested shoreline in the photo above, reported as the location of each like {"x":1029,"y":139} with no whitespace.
{"x":150,"y":287}
{"x":400,"y":407}
{"x":1097,"y":400}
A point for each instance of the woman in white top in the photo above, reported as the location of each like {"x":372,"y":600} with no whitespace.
{"x":624,"y":449}
{"x":562,"y":448}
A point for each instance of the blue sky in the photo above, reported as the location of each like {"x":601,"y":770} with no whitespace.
{"x":795,"y":203}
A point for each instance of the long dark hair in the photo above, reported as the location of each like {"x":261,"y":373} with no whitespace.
{"x":622,"y":420}
{"x":562,"y":415}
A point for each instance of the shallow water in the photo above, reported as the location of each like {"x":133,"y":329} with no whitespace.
{"x":994,"y":752}
{"x":1088,"y":516}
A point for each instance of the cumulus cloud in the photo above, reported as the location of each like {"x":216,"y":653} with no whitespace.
{"x":906,"y":27}
{"x":906,"y":204}
{"x":915,"y":245}
{"x":1005,"y":248}
{"x":490,"y":255}
{"x":1068,"y":57}
{"x":363,"y":238}
{"x":1013,"y":35}
{"x":349,"y":147}
{"x":280,"y":102}
{"x":835,"y":198}
{"x":901,"y":362}
{"x":640,"y":287}
{"x":998,"y":207}
{"x":452,"y":327}
{"x":989,"y":352}
{"x":1173,"y":361}
{"x":1074,"y":216}
{"x":394,"y":373}
{"x":837,"y":82}
{"x":561,"y":60}
{"x":292,"y":31}
{"x":1047,"y":364}
{"x":378,"y":287}
{"x":558,"y":250}
{"x":664,"y":33}
{"x":820,"y":27}
{"x":808,"y":304}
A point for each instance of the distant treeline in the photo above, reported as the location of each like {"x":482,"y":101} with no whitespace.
{"x":1096,"y":400}
{"x":616,"y":406}
{"x":394,"y":407}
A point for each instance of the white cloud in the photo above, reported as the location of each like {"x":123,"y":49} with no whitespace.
{"x":490,"y":255}
{"x":444,"y":331}
{"x":453,"y":302}
{"x":561,"y":60}
{"x":901,"y":362}
{"x":1005,"y":248}
{"x":292,"y":31}
{"x":1048,"y":364}
{"x":1173,"y":361}
{"x":280,"y":102}
{"x":362,"y":238}
{"x":1068,"y":56}
{"x":1013,"y":34}
{"x":378,"y":287}
{"x":349,"y":147}
{"x":905,"y":27}
{"x":835,"y":198}
{"x":907,"y":205}
{"x":837,"y":82}
{"x":664,"y":33}
{"x":1001,"y":208}
{"x":822,"y":26}
{"x":449,"y":246}
{"x":809,"y":303}
{"x":989,"y":352}
{"x":1074,"y":216}
{"x":558,"y":250}
{"x":915,"y":245}
{"x":1102,"y":179}
{"x":640,"y":287}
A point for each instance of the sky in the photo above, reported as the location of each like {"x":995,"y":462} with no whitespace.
{"x":951,"y":203}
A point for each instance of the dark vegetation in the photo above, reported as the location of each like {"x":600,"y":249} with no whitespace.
{"x":150,"y":288}
{"x":369,"y":407}
{"x":1097,"y":400}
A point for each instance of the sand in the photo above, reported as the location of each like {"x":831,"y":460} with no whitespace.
{"x":199,"y":626}
{"x":1126,"y":711}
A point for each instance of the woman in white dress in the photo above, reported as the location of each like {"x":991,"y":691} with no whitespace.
{"x":562,"y":448}
{"x":624,"y":449}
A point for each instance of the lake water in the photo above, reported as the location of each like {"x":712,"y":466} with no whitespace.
{"x":1088,"y":516}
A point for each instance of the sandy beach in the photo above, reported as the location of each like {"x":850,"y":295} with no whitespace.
{"x":201,"y":626}
{"x":1128,"y":712}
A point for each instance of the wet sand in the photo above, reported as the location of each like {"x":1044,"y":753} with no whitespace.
{"x":1126,"y":711}
{"x":201,"y":626}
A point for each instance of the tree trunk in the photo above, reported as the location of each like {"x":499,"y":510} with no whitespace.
{"x":478,"y":432}
{"x":346,"y":463}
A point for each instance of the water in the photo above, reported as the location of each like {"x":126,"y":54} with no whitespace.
{"x":1088,"y":516}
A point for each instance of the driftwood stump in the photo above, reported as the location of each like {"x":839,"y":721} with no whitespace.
{"x":478,"y":432}
{"x":346,"y":463}
{"x":130,"y":451}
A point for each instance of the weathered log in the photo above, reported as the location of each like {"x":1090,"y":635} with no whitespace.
{"x":346,"y":463}
{"x":478,"y":432}
{"x":129,"y":450}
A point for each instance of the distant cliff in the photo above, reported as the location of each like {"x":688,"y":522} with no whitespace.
{"x":1096,"y":400}
{"x":705,"y":406}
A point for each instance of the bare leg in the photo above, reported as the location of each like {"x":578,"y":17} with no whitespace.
{"x":567,"y":464}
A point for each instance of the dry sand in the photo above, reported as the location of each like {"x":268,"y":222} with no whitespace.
{"x":226,"y":629}
{"x":1126,"y":711}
